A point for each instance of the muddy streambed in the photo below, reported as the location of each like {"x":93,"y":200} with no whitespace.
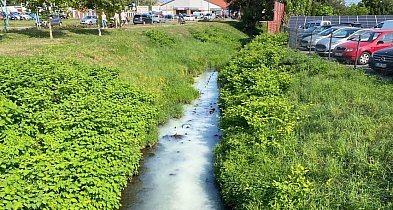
{"x":177,"y":174}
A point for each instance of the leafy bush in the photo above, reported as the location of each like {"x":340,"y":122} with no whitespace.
{"x":70,"y":134}
{"x":302,"y":133}
{"x":160,"y":38}
{"x":212,"y":34}
{"x":257,"y":123}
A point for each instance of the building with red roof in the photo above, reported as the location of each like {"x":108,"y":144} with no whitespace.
{"x":190,"y":6}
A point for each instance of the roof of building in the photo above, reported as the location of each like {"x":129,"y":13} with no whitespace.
{"x":220,"y":3}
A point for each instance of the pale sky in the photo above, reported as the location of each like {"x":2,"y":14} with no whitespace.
{"x":348,"y":2}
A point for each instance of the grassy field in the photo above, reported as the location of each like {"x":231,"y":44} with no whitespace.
{"x":76,"y":111}
{"x":165,"y":71}
{"x":301,"y":132}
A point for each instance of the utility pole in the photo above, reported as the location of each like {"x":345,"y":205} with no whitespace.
{"x":3,"y":4}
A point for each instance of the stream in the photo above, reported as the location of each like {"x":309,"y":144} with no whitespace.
{"x":177,"y":174}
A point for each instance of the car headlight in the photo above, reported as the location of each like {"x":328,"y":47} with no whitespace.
{"x":350,"y":49}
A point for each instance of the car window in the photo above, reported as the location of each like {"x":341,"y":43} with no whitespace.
{"x":380,"y":25}
{"x":327,"y":31}
{"x":387,"y":38}
{"x":340,"y":34}
{"x":367,"y":36}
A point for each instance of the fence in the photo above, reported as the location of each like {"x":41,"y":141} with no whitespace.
{"x":294,"y":42}
{"x":367,"y":21}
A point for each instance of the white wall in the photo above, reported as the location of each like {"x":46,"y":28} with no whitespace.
{"x":193,"y":4}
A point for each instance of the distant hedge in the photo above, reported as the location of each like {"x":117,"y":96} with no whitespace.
{"x":70,"y":134}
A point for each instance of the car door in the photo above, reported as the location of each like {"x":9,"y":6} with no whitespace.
{"x":385,"y":41}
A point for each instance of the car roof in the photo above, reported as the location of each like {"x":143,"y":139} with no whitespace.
{"x":383,"y":31}
{"x":317,"y":21}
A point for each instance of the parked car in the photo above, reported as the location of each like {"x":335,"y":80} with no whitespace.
{"x":158,"y":19}
{"x":370,"y":42}
{"x":89,"y":20}
{"x":32,"y":15}
{"x":209,"y":16}
{"x":385,"y":25}
{"x":169,"y":16}
{"x":63,"y":16}
{"x":316,"y":23}
{"x":381,"y":61}
{"x":55,"y":20}
{"x":189,"y":18}
{"x":312,"y":30}
{"x":142,"y":19}
{"x":338,"y":37}
{"x":14,"y":16}
{"x":311,"y":41}
{"x":25,"y":16}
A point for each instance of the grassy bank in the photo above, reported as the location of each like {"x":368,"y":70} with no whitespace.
{"x":303,"y":133}
{"x":76,"y":111}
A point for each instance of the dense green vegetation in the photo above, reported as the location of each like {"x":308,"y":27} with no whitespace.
{"x":75,"y":112}
{"x":302,"y":133}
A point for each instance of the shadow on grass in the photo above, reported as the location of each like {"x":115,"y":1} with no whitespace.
{"x":86,"y":31}
{"x":37,"y":33}
{"x":57,"y":32}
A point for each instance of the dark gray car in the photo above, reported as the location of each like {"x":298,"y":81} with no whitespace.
{"x":55,"y":20}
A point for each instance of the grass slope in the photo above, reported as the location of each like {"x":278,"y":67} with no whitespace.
{"x":76,"y":111}
{"x":303,"y":133}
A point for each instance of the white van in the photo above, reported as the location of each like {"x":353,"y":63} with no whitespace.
{"x":385,"y":25}
{"x":316,"y":23}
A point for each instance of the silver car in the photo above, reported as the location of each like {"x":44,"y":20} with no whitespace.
{"x":89,"y":20}
{"x":311,"y":41}
{"x":338,"y":37}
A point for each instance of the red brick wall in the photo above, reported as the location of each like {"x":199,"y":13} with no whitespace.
{"x":275,"y":25}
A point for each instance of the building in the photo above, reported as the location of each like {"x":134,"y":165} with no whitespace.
{"x":190,"y":6}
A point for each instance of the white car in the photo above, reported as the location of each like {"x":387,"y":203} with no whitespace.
{"x":189,"y":18}
{"x":24,"y":16}
{"x":89,"y":20}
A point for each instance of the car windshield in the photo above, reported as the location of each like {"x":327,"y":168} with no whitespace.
{"x":343,"y":33}
{"x":309,"y":30}
{"x":356,"y":34}
{"x":327,"y":31}
{"x":367,"y":37}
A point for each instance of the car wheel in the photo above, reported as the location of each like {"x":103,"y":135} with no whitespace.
{"x":90,"y":23}
{"x":364,"y":58}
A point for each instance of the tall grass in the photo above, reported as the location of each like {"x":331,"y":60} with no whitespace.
{"x":303,"y":133}
{"x":165,"y":71}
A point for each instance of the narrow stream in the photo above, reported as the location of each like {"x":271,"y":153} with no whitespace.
{"x":178,"y":173}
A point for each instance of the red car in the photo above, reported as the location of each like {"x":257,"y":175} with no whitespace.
{"x":370,"y":42}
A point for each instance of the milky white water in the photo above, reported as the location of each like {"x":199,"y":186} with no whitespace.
{"x":178,"y":173}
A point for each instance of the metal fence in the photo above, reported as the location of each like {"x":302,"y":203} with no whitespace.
{"x":367,"y":21}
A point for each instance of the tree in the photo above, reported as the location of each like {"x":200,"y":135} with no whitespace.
{"x":379,"y":7}
{"x":298,"y":7}
{"x":358,"y":9}
{"x":325,"y":10}
{"x":253,"y":11}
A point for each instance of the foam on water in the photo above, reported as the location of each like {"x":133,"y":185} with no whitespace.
{"x":178,"y":173}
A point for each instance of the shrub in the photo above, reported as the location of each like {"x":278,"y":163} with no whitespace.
{"x":70,"y":134}
{"x":160,"y":38}
{"x":300,"y":132}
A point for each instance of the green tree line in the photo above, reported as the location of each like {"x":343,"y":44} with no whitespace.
{"x":262,"y":10}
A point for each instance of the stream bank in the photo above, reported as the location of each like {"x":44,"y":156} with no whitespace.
{"x":178,"y":172}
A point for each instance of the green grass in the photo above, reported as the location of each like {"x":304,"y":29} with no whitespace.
{"x":300,"y":132}
{"x":76,"y":111}
{"x":345,"y":137}
{"x":166,"y":72}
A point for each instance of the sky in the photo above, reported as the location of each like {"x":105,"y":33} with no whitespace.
{"x":348,"y":2}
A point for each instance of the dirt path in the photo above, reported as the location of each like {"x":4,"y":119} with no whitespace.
{"x":178,"y":173}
